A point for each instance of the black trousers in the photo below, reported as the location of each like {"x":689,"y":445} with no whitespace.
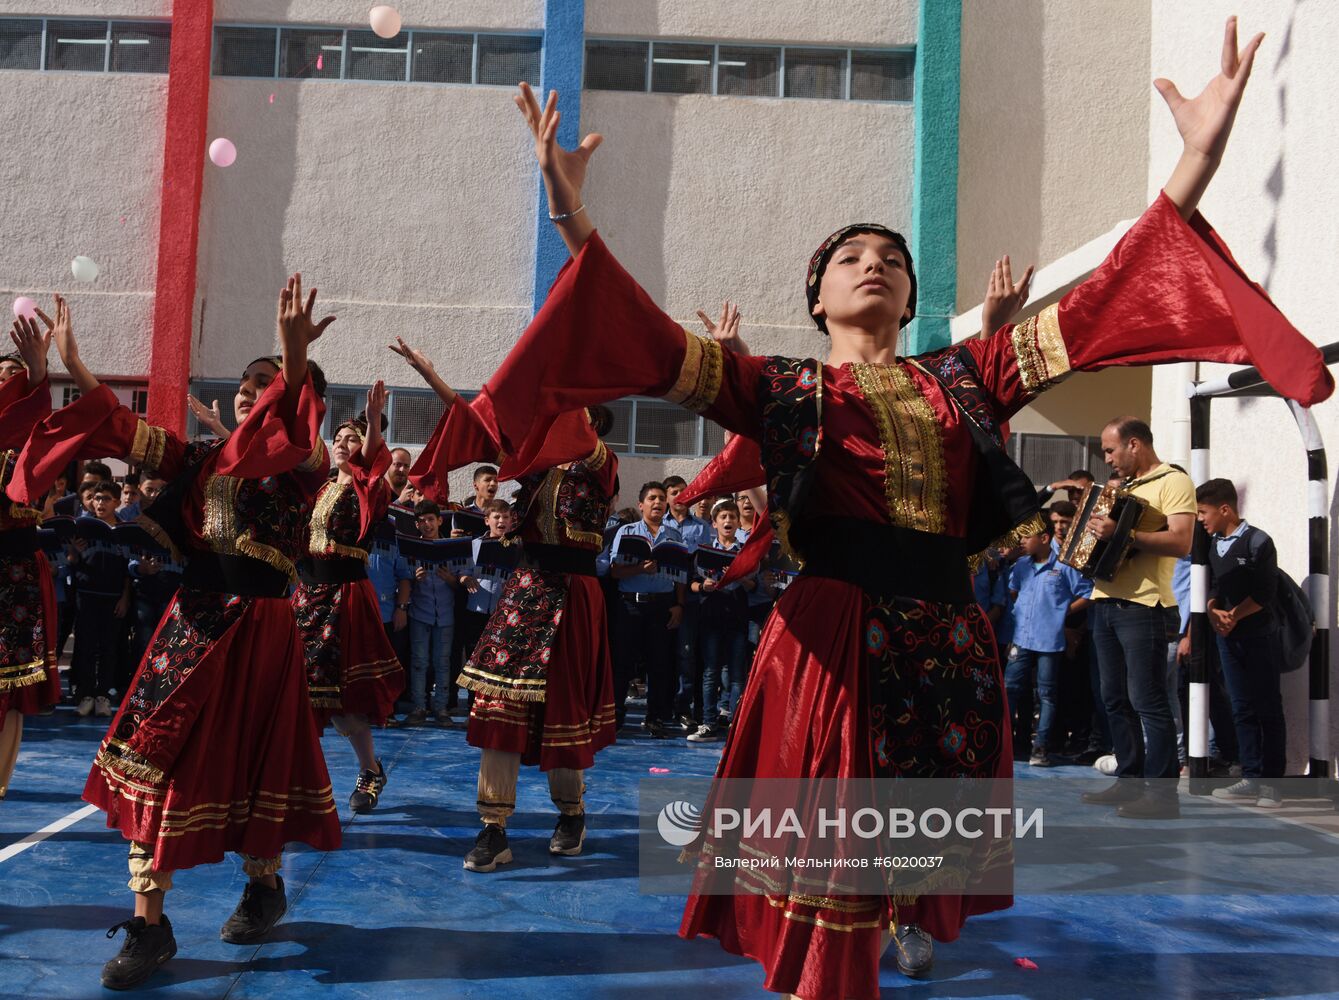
{"x":642,"y":636}
{"x":96,"y":632}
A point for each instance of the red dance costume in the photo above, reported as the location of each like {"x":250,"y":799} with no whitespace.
{"x":890,"y":671}
{"x":351,"y":667}
{"x":29,"y":681}
{"x":214,"y":748}
{"x":541,"y":673}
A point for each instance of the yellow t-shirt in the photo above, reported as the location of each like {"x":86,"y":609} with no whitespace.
{"x":1146,"y":578}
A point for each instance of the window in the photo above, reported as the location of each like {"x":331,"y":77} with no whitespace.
{"x":748,"y":72}
{"x":882,"y":76}
{"x":616,"y":65}
{"x":140,"y":48}
{"x":681,"y":69}
{"x":139,"y":401}
{"x":77,"y":46}
{"x":1047,"y":458}
{"x":442,"y":58}
{"x":68,"y":395}
{"x":505,"y":60}
{"x":374,"y":58}
{"x":20,"y":43}
{"x":310,"y":53}
{"x":665,"y":429}
{"x":245,"y":51}
{"x":620,"y":434}
{"x":414,"y":414}
{"x":815,"y":73}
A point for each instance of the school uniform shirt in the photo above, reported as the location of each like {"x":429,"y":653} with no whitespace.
{"x":1235,"y":573}
{"x":484,"y":600}
{"x":692,"y":529}
{"x":101,"y":570}
{"x":642,"y":583}
{"x":1045,"y":592}
{"x":432,"y":601}
{"x":386,"y":568}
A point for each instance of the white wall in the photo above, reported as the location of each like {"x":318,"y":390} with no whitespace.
{"x":1273,"y":202}
{"x":863,"y":23}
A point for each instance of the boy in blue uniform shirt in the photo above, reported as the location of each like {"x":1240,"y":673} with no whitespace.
{"x":1045,"y":592}
{"x":695,"y":532}
{"x":102,"y":600}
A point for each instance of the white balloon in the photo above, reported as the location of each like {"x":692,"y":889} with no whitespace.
{"x":222,"y":152}
{"x":84,"y":269}
{"x":385,"y":21}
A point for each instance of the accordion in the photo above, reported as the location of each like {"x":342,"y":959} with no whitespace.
{"x":1091,"y":556}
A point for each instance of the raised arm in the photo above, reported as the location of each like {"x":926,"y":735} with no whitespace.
{"x":1205,"y":122}
{"x":564,"y":170}
{"x":297,"y":332}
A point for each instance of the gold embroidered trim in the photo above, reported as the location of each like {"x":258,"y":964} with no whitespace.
{"x":316,"y":460}
{"x":915,"y":479}
{"x":220,"y":527}
{"x":248,"y":546}
{"x":595,"y":461}
{"x":148,"y":446}
{"x":699,"y":381}
{"x":139,"y":446}
{"x":1039,"y":346}
{"x":372,"y":670}
{"x":155,"y":530}
{"x":321,"y":542}
{"x":19,"y":514}
{"x":21,"y":675}
{"x":493,"y":690}
{"x":1014,"y":536}
{"x":547,"y":498}
{"x":117,"y":757}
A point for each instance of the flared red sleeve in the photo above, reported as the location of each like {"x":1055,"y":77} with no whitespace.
{"x":22,"y":407}
{"x":600,"y":337}
{"x":463,"y":435}
{"x":1169,"y":291}
{"x":279,"y":435}
{"x":369,"y":483}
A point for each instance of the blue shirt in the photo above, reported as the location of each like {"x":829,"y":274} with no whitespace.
{"x":642,"y":583}
{"x":1181,"y":589}
{"x":386,"y":568}
{"x":692,"y":529}
{"x":432,"y":601}
{"x":1045,"y":593}
{"x":1224,"y":542}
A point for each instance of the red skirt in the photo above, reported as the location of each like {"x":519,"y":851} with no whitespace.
{"x":214,"y":749}
{"x":351,"y":667}
{"x":575,"y":719}
{"x":806,"y":712}
{"x":29,"y":679}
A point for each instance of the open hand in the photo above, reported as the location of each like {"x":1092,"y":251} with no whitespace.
{"x":1003,"y":297}
{"x":417,"y":359}
{"x":209,"y":417}
{"x":1205,"y":121}
{"x":564,"y":170}
{"x":725,"y":332}
{"x":376,"y":404}
{"x":295,"y":316}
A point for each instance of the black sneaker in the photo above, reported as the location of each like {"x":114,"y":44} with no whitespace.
{"x":1089,"y":756}
{"x":687,"y":724}
{"x":915,"y":951}
{"x":568,"y":836}
{"x":367,"y":790}
{"x":707,"y":734}
{"x":257,"y":912}
{"x":1040,"y":758}
{"x":1150,"y":806}
{"x":146,"y":947}
{"x":490,"y":850}
{"x":655,"y":730}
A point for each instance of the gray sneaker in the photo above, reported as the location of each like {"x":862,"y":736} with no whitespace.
{"x":706,"y":734}
{"x":1270,"y":797}
{"x":915,"y":951}
{"x":1246,"y":788}
{"x":417,"y":717}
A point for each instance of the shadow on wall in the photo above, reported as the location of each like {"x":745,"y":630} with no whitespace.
{"x":1001,"y":141}
{"x":241,"y":256}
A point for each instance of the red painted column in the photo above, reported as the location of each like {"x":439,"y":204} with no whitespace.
{"x":179,"y":224}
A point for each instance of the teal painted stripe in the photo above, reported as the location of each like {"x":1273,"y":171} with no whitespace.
{"x":934,"y":208}
{"x":563,"y":55}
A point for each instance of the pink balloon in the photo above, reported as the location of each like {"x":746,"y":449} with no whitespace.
{"x":222,"y":152}
{"x":385,"y":21}
{"x":24,"y":306}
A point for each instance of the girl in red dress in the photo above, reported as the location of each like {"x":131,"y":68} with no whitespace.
{"x":884,"y":475}
{"x":541,"y":674}
{"x":353,"y":672}
{"x":215,"y":747}
{"x":29,"y":681}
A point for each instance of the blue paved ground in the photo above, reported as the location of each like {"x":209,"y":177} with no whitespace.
{"x":393,"y":914}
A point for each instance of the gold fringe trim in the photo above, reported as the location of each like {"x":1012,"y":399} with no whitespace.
{"x":21,"y":514}
{"x":331,"y":701}
{"x":491,"y":690}
{"x":317,"y":459}
{"x":155,"y":530}
{"x":248,"y":546}
{"x":699,"y":381}
{"x":125,"y":761}
{"x":1014,"y":536}
{"x":22,"y":675}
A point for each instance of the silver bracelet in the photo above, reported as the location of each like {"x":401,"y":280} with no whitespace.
{"x":567,"y":215}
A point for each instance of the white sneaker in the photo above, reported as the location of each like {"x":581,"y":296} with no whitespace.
{"x":1107,"y":764}
{"x":85,"y":706}
{"x":1270,"y":797}
{"x":102,"y":706}
{"x":706,"y":734}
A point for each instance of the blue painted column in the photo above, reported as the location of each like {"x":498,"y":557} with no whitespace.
{"x":561,"y":70}
{"x":934,"y":209}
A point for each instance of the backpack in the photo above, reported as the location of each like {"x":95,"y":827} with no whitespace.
{"x":1292,"y":608}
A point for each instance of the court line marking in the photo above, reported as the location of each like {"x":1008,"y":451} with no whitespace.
{"x":33,"y":839}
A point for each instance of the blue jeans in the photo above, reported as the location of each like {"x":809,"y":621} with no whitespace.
{"x":429,"y":644}
{"x":1018,"y":682}
{"x":1130,"y":641}
{"x":724,"y":647}
{"x":1251,"y":670}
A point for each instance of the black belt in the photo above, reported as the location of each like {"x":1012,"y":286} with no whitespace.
{"x":560,"y":559}
{"x":634,"y":598}
{"x":18,"y":542}
{"x":242,"y":575}
{"x":342,"y":569}
{"x":884,"y":560}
